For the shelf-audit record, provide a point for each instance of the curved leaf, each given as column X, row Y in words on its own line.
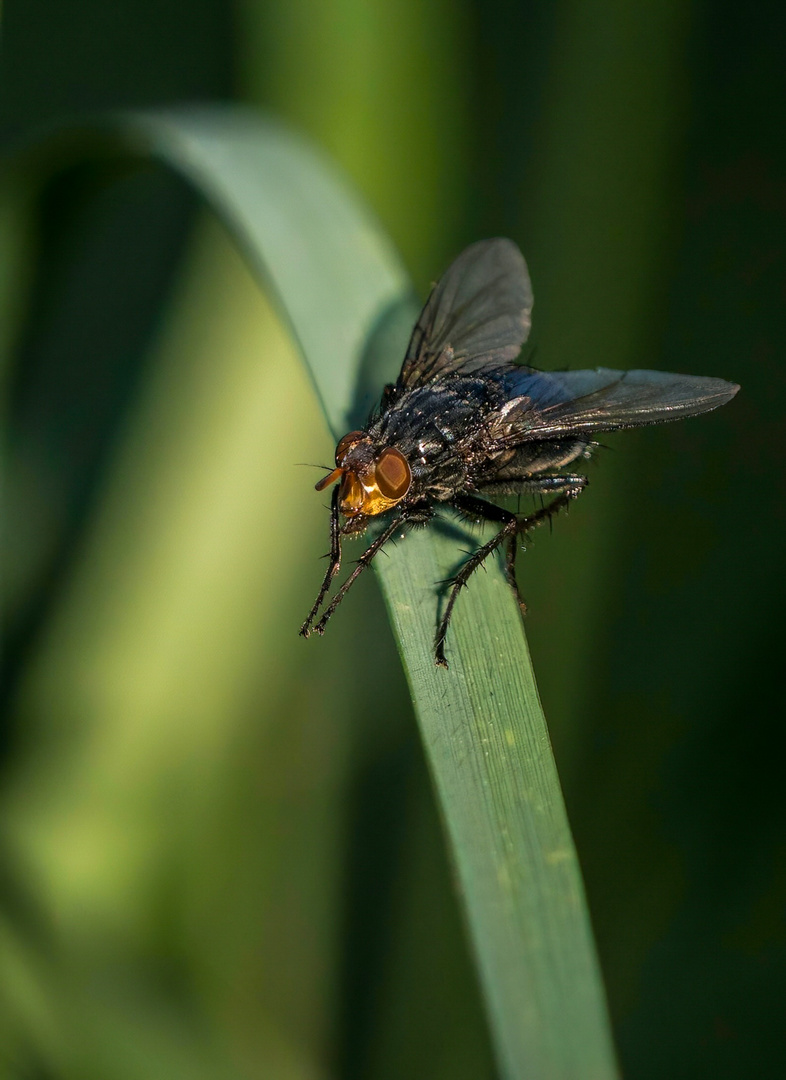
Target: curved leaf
column 346, row 299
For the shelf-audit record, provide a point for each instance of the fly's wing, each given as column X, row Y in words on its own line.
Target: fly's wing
column 553, row 404
column 477, row 316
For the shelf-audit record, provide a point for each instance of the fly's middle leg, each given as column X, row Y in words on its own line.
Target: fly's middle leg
column 481, row 510
column 461, row 579
column 566, row 489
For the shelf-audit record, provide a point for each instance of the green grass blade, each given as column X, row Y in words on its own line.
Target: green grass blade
column 320, row 253
column 348, row 303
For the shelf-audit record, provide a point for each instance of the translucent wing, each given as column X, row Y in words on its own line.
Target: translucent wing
column 552, row 404
column 478, row 315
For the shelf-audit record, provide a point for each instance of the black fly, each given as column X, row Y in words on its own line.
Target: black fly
column 463, row 422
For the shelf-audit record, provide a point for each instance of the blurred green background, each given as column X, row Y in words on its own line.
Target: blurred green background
column 220, row 854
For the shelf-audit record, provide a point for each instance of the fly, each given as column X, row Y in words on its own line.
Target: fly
column 463, row 423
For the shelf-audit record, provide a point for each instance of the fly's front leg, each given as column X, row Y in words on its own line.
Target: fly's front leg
column 334, row 565
column 364, row 561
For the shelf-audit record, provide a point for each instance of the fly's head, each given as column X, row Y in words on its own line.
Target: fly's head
column 373, row 479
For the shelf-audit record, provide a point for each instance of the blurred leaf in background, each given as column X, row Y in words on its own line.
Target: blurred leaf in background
column 218, row 862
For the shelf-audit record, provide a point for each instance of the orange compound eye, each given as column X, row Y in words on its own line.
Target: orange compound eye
column 346, row 443
column 393, row 474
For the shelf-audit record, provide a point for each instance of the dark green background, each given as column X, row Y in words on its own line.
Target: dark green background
column 637, row 154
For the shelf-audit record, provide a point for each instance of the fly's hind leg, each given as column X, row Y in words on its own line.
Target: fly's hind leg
column 567, row 488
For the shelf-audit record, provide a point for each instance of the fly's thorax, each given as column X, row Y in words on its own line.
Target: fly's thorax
column 373, row 477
